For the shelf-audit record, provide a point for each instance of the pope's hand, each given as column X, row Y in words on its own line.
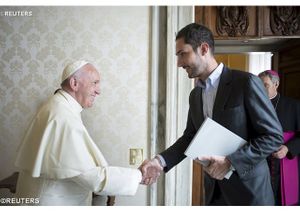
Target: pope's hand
column 151, row 170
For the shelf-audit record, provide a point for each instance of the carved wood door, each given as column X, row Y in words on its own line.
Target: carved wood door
column 246, row 22
column 287, row 62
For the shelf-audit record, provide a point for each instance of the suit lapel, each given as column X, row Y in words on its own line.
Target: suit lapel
column 223, row 91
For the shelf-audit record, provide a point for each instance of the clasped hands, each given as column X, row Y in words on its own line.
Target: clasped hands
column 281, row 152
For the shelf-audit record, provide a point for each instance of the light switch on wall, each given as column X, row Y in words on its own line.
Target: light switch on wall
column 135, row 156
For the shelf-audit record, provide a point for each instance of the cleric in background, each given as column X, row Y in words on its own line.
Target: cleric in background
column 284, row 164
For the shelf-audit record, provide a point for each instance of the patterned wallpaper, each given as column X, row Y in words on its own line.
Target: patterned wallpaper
column 34, row 49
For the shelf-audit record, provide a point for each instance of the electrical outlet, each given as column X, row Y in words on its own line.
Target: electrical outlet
column 135, row 156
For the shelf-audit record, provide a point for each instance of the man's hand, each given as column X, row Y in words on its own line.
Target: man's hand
column 281, row 153
column 217, row 167
column 150, row 170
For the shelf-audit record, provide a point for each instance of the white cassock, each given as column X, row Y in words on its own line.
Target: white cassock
column 59, row 162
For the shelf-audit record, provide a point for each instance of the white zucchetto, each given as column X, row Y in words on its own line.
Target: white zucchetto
column 71, row 68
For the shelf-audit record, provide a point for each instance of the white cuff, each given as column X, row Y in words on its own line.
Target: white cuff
column 162, row 160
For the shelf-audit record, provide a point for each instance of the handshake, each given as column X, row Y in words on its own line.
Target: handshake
column 151, row 170
column 217, row 167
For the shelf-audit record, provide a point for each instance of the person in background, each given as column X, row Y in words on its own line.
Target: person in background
column 284, row 163
column 238, row 101
column 59, row 162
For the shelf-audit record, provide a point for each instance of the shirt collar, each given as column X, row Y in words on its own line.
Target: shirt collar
column 213, row 78
column 274, row 97
column 74, row 104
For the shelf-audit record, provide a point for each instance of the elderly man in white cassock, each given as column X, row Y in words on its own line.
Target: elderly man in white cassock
column 59, row 162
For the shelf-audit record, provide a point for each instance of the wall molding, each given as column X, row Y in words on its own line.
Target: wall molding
column 178, row 181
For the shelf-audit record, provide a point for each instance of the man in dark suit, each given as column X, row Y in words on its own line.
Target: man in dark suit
column 238, row 101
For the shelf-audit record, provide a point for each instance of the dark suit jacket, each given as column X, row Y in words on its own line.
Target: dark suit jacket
column 242, row 106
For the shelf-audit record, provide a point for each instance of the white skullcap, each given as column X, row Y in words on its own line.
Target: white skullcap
column 71, row 68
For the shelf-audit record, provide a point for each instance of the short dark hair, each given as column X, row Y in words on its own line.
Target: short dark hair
column 196, row 34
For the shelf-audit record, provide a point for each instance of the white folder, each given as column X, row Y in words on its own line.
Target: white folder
column 212, row 139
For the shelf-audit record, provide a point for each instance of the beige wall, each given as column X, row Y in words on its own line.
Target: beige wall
column 234, row 61
column 33, row 52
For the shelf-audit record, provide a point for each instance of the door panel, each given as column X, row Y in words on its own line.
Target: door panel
column 198, row 189
column 287, row 63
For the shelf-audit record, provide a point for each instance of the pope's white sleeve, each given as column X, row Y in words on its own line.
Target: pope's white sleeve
column 110, row 180
column 92, row 179
column 121, row 181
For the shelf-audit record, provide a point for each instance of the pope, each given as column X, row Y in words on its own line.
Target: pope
column 59, row 162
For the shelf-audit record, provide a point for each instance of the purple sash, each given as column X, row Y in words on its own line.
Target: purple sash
column 289, row 176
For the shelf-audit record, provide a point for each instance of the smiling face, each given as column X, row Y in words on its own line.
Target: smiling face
column 193, row 62
column 88, row 85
